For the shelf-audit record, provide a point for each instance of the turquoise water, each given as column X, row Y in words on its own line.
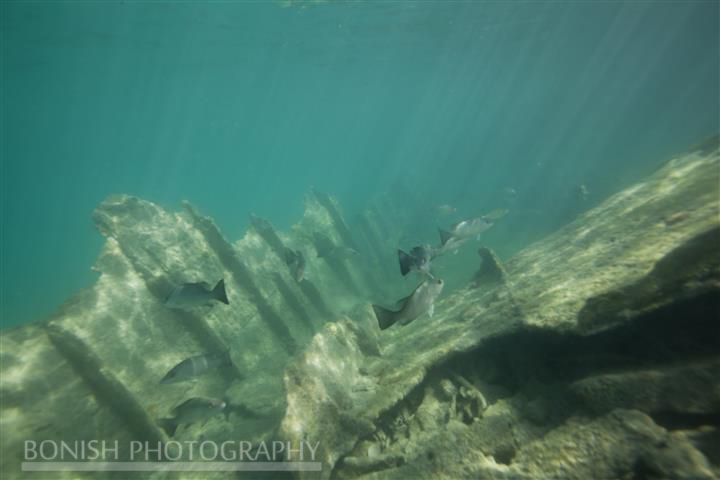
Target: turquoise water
column 241, row 107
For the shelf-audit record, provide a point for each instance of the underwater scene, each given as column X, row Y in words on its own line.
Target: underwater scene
column 328, row 240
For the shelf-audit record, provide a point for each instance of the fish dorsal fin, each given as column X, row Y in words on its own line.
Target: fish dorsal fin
column 403, row 301
column 444, row 236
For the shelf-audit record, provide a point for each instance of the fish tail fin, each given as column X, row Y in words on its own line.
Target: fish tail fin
column 405, row 262
column 169, row 425
column 219, row 292
column 386, row 318
column 444, row 236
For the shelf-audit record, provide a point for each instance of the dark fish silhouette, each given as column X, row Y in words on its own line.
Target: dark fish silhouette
column 195, row 366
column 190, row 295
column 418, row 259
column 191, row 411
column 295, row 261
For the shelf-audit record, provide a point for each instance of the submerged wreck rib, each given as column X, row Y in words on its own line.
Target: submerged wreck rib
column 242, row 276
column 268, row 234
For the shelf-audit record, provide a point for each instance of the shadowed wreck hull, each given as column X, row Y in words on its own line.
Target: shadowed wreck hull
column 593, row 353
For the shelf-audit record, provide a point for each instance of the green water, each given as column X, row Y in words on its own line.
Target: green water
column 240, row 107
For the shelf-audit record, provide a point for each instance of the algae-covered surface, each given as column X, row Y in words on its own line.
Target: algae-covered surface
column 592, row 353
column 616, row 310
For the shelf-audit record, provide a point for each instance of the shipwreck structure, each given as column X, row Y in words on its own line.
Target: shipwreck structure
column 594, row 353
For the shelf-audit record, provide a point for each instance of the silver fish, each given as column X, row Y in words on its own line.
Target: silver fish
column 420, row 301
column 469, row 228
column 582, row 192
column 445, row 209
column 190, row 295
column 450, row 243
column 195, row 366
column 463, row 231
column 191, row 411
column 496, row 214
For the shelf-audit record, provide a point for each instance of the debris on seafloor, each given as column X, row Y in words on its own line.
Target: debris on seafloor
column 491, row 270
